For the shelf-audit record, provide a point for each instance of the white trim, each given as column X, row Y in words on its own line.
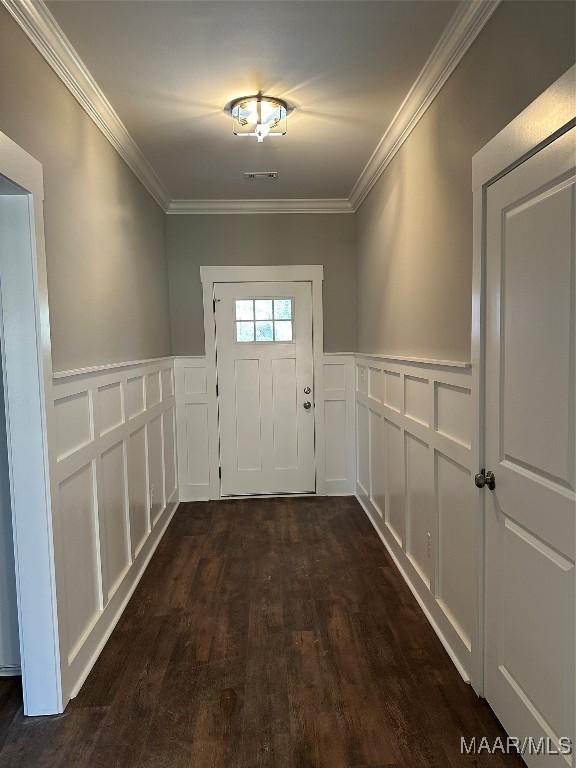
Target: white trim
column 27, row 370
column 463, row 28
column 534, row 126
column 44, row 31
column 10, row 671
column 546, row 115
column 344, row 484
column 329, row 205
column 109, row 367
column 415, row 360
column 195, row 483
column 305, row 273
column 262, row 274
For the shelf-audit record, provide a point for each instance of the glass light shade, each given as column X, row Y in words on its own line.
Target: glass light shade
column 259, row 116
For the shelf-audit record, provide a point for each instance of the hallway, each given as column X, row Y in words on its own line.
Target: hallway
column 271, row 632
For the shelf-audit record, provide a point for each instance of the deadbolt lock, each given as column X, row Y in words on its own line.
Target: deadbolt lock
column 307, row 390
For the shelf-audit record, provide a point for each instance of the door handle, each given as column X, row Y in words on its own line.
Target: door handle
column 307, row 405
column 485, row 478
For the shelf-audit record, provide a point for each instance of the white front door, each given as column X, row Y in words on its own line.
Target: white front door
column 266, row 388
column 530, row 447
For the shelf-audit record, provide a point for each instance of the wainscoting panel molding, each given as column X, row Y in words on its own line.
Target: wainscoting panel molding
column 338, row 450
column 116, row 493
column 197, row 427
column 414, row 479
column 197, row 430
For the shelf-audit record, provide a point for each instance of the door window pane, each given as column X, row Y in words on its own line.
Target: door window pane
column 264, row 320
column 245, row 331
column 264, row 330
column 244, row 309
column 283, row 330
column 283, row 309
column 263, row 309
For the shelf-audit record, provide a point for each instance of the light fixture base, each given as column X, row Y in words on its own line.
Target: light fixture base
column 259, row 116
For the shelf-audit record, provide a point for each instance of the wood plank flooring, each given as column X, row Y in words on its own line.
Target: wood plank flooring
column 265, row 633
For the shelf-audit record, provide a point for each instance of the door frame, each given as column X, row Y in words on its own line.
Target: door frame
column 313, row 274
column 550, row 115
column 27, row 363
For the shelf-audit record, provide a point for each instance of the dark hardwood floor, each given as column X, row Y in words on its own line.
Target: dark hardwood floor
column 271, row 632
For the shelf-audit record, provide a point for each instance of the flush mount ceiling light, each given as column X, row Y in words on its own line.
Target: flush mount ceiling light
column 259, row 116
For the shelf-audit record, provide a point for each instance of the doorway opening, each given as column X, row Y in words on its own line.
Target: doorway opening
column 28, row 538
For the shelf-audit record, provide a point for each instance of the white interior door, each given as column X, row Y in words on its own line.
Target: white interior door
column 266, row 388
column 530, row 447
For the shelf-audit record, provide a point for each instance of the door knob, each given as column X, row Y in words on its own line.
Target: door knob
column 485, row 478
column 307, row 405
column 307, row 390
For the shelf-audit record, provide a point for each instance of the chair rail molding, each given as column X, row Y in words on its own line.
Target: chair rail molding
column 41, row 27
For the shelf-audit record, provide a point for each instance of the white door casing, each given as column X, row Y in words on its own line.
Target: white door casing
column 266, row 417
column 530, row 445
column 27, row 374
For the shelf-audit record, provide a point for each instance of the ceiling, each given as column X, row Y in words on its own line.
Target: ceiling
column 169, row 68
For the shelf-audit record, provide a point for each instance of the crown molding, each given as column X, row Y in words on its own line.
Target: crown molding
column 463, row 28
column 43, row 30
column 328, row 205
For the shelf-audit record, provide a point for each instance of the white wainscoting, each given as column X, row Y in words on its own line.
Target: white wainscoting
column 197, row 427
column 197, row 420
column 116, row 493
column 414, row 479
column 337, row 452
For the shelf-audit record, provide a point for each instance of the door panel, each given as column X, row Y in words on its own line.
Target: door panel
column 247, row 395
column 264, row 361
column 284, row 413
column 530, row 439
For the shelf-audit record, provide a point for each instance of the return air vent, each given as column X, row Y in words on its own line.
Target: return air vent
column 261, row 175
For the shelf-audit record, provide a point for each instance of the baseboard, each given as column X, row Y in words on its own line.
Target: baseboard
column 190, row 493
column 431, row 620
column 125, row 592
column 8, row 671
column 340, row 487
column 328, row 493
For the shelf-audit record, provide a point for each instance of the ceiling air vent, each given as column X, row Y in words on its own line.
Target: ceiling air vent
column 261, row 175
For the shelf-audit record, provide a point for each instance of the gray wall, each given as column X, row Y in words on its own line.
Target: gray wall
column 212, row 240
column 105, row 244
column 411, row 260
column 415, row 227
